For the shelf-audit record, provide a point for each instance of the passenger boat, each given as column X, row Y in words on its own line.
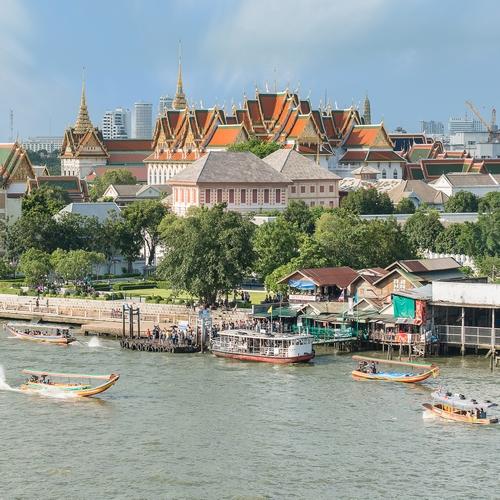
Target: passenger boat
column 368, row 370
column 248, row 345
column 40, row 333
column 66, row 383
column 459, row 409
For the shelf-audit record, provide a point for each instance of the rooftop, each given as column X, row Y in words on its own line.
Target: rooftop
column 102, row 210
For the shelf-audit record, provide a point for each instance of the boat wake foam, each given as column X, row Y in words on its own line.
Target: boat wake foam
column 428, row 415
column 94, row 342
column 4, row 386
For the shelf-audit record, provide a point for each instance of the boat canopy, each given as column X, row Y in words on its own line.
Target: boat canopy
column 459, row 402
column 66, row 375
column 393, row 362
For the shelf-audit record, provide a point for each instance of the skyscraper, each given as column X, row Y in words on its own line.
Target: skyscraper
column 432, row 127
column 142, row 124
column 116, row 124
column 165, row 104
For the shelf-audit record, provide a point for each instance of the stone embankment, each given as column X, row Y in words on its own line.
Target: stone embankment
column 99, row 317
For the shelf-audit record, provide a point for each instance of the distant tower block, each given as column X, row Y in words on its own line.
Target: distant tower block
column 367, row 114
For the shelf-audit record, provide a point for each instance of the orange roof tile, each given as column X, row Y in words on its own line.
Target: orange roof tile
column 225, row 135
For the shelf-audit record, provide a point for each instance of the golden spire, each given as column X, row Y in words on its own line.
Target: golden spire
column 83, row 122
column 180, row 98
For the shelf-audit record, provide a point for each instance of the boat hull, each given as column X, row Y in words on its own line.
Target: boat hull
column 466, row 419
column 265, row 359
column 412, row 379
column 41, row 339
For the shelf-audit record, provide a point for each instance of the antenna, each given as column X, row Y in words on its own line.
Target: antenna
column 11, row 118
column 275, row 81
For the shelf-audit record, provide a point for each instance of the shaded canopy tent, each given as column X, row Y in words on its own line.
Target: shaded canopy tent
column 277, row 312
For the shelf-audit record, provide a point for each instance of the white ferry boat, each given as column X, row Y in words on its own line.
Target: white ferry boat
column 269, row 348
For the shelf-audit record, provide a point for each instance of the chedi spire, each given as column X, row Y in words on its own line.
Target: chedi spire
column 180, row 101
column 83, row 122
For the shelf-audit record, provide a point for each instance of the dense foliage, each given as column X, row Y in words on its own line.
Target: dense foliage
column 116, row 176
column 368, row 201
column 463, row 201
column 257, row 147
column 50, row 160
column 45, row 200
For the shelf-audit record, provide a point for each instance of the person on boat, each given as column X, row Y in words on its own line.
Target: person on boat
column 373, row 367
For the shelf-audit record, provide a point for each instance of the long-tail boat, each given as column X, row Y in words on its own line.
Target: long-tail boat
column 368, row 369
column 57, row 383
column 459, row 409
column 40, row 333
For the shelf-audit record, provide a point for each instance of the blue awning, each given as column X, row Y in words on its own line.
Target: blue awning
column 302, row 284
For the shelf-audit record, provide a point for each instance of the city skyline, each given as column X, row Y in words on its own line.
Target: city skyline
column 336, row 51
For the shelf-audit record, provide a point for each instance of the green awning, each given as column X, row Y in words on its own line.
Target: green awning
column 277, row 312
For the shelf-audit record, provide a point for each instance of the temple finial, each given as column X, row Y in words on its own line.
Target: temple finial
column 179, row 101
column 83, row 122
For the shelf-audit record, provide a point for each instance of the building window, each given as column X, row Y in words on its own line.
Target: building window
column 219, row 195
column 266, row 195
column 207, row 195
column 330, row 204
column 312, row 189
column 231, row 196
column 294, row 189
column 322, row 189
column 312, row 203
column 395, row 174
column 278, row 196
column 243, row 196
column 321, row 202
column 302, row 189
column 330, row 188
column 384, row 174
column 399, row 284
column 254, row 196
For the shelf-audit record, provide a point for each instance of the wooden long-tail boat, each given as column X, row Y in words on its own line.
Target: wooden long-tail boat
column 42, row 381
column 457, row 408
column 40, row 333
column 367, row 370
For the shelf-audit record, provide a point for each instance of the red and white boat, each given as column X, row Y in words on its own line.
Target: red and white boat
column 247, row 345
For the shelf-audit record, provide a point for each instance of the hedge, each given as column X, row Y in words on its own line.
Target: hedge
column 135, row 286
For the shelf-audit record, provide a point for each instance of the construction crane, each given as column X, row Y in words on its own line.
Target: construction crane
column 491, row 127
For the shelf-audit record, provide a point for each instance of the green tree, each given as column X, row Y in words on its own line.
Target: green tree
column 46, row 200
column 489, row 266
column 116, row 176
column 256, row 146
column 208, row 252
column 50, row 160
column 489, row 227
column 36, row 267
column 489, row 202
column 144, row 218
column 405, row 206
column 298, row 214
column 75, row 265
column 275, row 243
column 463, row 201
column 423, row 228
column 368, row 201
column 460, row 239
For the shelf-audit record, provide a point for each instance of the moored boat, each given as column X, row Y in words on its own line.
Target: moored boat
column 40, row 333
column 66, row 383
column 368, row 369
column 247, row 345
column 459, row 409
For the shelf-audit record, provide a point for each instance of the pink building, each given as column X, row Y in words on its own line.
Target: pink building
column 241, row 180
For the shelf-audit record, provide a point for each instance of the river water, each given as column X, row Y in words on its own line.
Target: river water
column 193, row 426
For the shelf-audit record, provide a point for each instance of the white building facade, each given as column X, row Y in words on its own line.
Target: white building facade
column 43, row 143
column 116, row 124
column 142, row 121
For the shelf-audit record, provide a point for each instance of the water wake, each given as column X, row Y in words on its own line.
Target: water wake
column 94, row 342
column 428, row 415
column 4, row 386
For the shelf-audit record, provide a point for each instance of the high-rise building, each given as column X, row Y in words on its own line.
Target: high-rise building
column 464, row 125
column 116, row 124
column 43, row 143
column 166, row 103
column 432, row 127
column 142, row 124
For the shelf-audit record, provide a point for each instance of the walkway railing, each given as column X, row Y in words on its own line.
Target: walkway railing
column 473, row 336
column 326, row 333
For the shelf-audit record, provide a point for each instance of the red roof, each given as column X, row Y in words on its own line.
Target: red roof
column 128, row 145
column 351, row 156
column 225, row 135
column 123, row 158
column 384, row 156
column 363, row 135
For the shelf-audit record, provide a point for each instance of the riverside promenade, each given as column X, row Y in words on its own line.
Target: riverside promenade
column 97, row 317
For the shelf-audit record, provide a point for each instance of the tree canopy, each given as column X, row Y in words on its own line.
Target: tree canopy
column 368, row 201
column 208, row 252
column 489, row 202
column 45, row 200
column 114, row 176
column 36, row 267
column 257, row 147
column 463, row 201
column 144, row 218
column 75, row 265
column 300, row 216
column 423, row 228
column 405, row 206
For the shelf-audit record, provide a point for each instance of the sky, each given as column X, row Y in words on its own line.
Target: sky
column 416, row 59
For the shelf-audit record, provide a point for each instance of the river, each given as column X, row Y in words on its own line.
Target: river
column 192, row 426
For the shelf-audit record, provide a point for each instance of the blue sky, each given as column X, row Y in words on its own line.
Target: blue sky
column 417, row 59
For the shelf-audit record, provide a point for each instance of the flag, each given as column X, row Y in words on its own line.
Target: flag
column 342, row 296
column 270, row 310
